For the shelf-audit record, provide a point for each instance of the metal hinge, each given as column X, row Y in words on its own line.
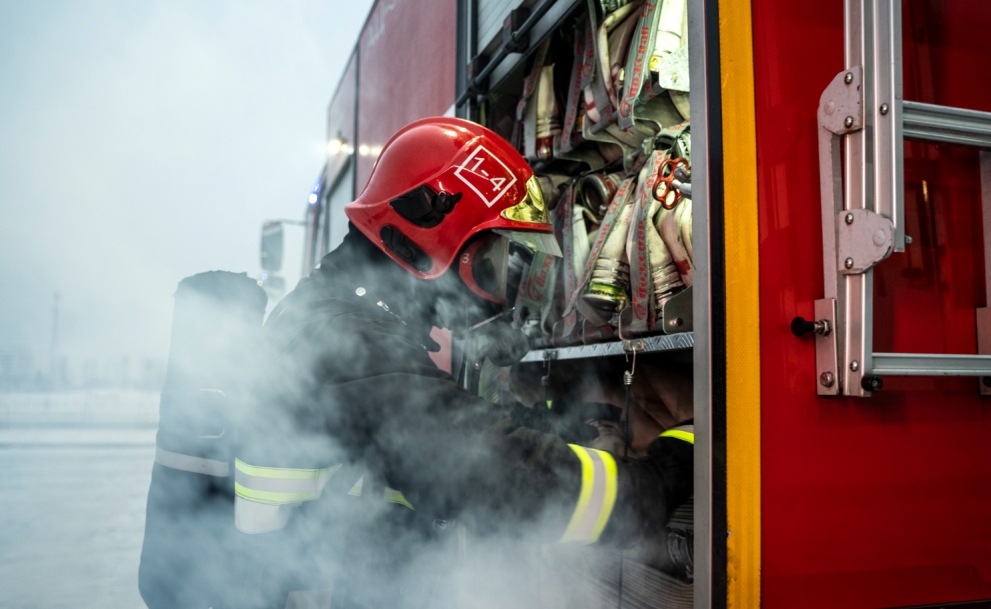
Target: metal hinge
column 863, row 239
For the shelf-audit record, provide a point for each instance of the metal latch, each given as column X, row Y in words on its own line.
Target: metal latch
column 634, row 345
column 863, row 239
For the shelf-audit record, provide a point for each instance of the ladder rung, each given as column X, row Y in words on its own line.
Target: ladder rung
column 945, row 124
column 930, row 364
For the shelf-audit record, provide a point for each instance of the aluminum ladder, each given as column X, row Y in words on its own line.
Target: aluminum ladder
column 862, row 195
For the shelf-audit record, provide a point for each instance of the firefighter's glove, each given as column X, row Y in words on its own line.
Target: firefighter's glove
column 650, row 489
column 524, row 446
column 501, row 344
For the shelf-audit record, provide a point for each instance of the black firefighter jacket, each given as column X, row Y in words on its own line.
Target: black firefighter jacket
column 357, row 452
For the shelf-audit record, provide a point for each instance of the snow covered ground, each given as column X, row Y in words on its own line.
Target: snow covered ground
column 91, row 407
column 74, row 474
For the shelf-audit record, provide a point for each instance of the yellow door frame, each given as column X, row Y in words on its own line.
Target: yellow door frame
column 739, row 149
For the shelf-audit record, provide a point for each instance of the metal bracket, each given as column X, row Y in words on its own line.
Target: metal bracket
column 863, row 239
column 840, row 115
column 828, row 379
column 633, row 345
column 841, row 105
column 677, row 313
column 550, row 354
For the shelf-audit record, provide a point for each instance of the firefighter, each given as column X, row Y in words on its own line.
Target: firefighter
column 358, row 451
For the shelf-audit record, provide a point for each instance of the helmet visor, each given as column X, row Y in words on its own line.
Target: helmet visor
column 532, row 210
column 484, row 267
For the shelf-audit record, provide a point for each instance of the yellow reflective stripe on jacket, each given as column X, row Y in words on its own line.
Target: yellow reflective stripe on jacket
column 683, row 432
column 393, row 496
column 390, row 494
column 687, row 436
column 597, row 496
column 279, row 485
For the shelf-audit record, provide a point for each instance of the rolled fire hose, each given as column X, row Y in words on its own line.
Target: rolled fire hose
column 671, row 36
column 653, row 274
column 609, row 287
column 579, row 239
column 684, row 217
column 542, row 121
column 595, row 191
column 674, row 220
column 669, row 28
column 526, row 112
column 664, row 273
column 619, row 46
column 613, row 45
column 672, row 233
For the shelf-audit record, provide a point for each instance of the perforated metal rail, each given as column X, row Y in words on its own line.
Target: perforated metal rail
column 649, row 344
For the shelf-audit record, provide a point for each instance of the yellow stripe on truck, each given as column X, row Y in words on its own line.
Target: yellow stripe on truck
column 743, row 318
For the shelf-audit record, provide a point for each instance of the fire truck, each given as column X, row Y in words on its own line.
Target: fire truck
column 824, row 279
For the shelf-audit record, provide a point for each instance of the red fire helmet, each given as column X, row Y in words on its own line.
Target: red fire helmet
column 440, row 181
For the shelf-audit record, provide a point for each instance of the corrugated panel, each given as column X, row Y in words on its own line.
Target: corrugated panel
column 491, row 14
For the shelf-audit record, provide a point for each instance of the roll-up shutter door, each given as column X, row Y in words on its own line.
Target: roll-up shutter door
column 491, row 14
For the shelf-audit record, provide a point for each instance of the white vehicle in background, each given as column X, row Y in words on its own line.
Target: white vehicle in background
column 281, row 257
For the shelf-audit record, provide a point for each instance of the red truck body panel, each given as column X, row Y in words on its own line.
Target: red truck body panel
column 340, row 117
column 881, row 501
column 405, row 70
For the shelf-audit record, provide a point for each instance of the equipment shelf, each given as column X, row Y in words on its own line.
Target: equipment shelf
column 649, row 344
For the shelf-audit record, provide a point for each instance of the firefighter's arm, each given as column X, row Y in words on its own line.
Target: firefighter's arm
column 453, row 454
column 602, row 497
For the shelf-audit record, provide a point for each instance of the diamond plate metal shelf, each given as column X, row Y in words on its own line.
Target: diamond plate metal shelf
column 649, row 344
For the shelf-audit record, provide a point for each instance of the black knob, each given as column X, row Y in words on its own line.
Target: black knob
column 871, row 382
column 800, row 326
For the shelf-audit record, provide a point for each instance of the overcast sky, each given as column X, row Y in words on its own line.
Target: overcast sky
column 142, row 142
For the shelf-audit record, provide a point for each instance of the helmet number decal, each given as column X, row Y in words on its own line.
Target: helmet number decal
column 486, row 175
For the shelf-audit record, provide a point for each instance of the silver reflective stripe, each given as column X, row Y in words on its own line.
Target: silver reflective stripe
column 584, row 527
column 196, row 465
column 279, row 485
column 253, row 517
